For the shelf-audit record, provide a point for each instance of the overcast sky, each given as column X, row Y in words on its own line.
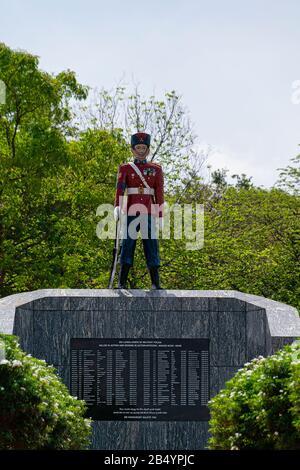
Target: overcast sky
column 234, row 62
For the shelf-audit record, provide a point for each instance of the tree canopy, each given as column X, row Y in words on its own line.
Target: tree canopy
column 59, row 161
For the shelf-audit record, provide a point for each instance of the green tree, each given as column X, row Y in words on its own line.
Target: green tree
column 251, row 244
column 34, row 126
column 218, row 178
column 59, row 163
column 55, row 242
column 167, row 120
column 289, row 177
column 243, row 181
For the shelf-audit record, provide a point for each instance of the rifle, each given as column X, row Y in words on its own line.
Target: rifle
column 115, row 255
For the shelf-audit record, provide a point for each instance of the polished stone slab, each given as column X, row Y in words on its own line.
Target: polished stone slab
column 239, row 327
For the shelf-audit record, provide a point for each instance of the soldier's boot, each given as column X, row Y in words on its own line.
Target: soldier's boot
column 123, row 275
column 154, row 274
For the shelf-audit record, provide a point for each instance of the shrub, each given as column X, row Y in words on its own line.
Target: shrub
column 36, row 409
column 259, row 408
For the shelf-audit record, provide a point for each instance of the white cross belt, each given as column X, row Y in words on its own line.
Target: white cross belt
column 140, row 190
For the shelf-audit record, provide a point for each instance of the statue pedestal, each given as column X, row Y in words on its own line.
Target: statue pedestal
column 147, row 362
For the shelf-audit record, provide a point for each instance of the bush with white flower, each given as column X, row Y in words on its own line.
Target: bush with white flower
column 259, row 408
column 36, row 409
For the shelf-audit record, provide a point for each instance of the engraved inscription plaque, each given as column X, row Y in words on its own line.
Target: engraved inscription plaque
column 142, row 379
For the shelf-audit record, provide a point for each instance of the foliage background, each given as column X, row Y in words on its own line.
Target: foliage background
column 59, row 156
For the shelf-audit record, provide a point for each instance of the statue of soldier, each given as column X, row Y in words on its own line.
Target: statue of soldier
column 144, row 182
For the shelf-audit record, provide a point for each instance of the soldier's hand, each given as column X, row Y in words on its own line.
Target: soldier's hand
column 117, row 213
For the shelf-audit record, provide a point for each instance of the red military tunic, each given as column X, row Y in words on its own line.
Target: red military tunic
column 128, row 178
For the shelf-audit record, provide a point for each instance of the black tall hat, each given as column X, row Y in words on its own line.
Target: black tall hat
column 140, row 138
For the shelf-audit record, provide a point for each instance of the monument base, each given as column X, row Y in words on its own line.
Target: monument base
column 147, row 362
